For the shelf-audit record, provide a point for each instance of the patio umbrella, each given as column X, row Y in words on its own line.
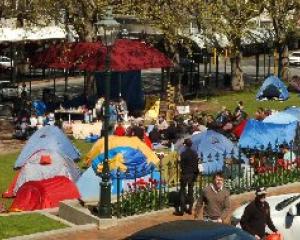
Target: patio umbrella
column 64, row 57
column 125, row 55
column 128, row 55
column 45, row 58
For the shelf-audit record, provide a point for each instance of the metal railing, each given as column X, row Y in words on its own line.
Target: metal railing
column 267, row 168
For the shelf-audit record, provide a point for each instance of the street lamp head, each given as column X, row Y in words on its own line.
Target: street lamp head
column 109, row 27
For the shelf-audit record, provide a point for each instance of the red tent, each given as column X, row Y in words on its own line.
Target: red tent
column 9, row 193
column 238, row 130
column 34, row 195
column 148, row 141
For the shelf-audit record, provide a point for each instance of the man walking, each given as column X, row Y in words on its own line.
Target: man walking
column 214, row 203
column 189, row 172
column 257, row 215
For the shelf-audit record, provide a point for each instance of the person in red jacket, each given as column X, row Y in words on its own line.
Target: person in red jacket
column 120, row 130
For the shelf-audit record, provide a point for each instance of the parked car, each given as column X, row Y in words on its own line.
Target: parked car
column 294, row 58
column 5, row 62
column 8, row 90
column 6, row 112
column 191, row 230
column 285, row 213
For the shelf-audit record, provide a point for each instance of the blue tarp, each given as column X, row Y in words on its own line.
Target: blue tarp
column 280, row 118
column 216, row 145
column 257, row 134
column 39, row 107
column 295, row 111
column 130, row 85
column 48, row 138
column 273, row 87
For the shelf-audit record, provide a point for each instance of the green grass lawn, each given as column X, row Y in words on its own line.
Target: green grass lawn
column 6, row 174
column 18, row 225
column 230, row 99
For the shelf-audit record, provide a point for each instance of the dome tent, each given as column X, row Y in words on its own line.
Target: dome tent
column 34, row 195
column 133, row 158
column 51, row 138
column 213, row 148
column 280, row 118
column 257, row 134
column 89, row 184
column 272, row 88
column 295, row 111
column 35, row 170
column 50, row 142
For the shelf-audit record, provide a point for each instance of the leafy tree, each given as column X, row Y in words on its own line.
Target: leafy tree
column 229, row 18
column 285, row 16
column 232, row 18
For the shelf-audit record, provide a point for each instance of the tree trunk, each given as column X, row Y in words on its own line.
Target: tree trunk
column 88, row 35
column 237, row 82
column 284, row 63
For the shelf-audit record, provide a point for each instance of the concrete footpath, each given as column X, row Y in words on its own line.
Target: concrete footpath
column 131, row 225
column 122, row 230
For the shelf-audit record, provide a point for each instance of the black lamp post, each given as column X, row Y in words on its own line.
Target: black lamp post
column 110, row 32
column 270, row 45
column 208, row 62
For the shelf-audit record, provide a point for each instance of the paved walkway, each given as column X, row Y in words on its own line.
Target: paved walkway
column 122, row 230
column 133, row 225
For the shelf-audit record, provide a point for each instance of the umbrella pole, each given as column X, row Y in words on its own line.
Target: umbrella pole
column 30, row 76
column 119, row 84
column 54, row 81
column 84, row 83
column 66, row 80
column 162, row 81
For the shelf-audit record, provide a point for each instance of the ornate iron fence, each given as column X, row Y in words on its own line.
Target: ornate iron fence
column 268, row 167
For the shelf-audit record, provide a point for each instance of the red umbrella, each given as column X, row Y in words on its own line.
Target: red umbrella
column 64, row 57
column 45, row 58
column 125, row 55
column 129, row 55
column 91, row 57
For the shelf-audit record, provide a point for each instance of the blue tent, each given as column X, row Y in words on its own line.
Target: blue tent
column 212, row 147
column 295, row 111
column 89, row 184
column 273, row 87
column 281, row 118
column 257, row 134
column 48, row 138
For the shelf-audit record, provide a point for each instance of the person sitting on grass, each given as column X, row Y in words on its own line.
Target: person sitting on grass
column 120, row 129
column 260, row 114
